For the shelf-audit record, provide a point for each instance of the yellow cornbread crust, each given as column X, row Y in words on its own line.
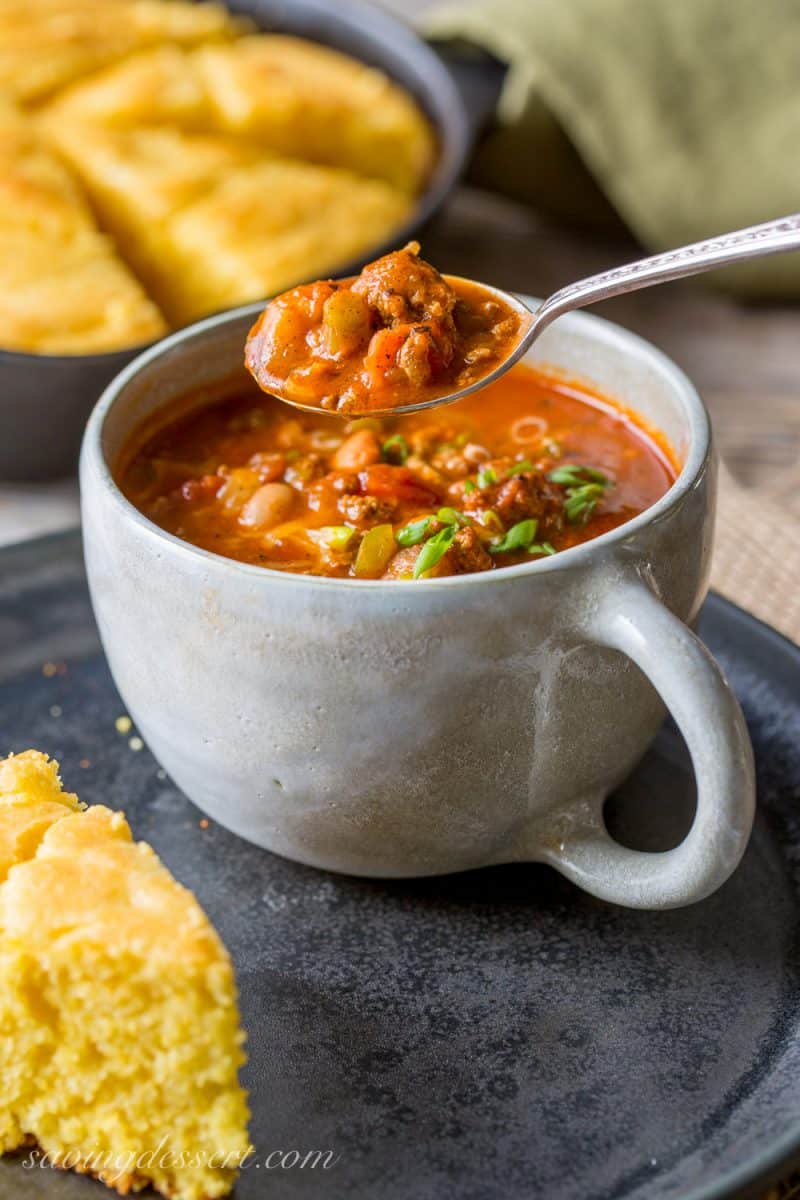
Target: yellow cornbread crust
column 118, row 1007
column 179, row 163
column 62, row 285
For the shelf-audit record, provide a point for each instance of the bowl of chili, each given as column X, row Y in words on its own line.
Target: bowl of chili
column 410, row 721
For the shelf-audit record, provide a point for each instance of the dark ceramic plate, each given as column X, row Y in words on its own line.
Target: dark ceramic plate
column 491, row 1036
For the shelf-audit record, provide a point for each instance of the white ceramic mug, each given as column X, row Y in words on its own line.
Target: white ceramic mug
column 391, row 728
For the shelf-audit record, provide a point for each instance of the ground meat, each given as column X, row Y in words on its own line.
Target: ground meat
column 401, row 566
column 515, row 499
column 404, row 289
column 466, row 554
column 418, row 354
column 367, row 510
column 305, row 469
column 428, row 474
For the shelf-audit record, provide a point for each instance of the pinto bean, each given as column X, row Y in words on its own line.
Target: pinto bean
column 268, row 506
column 361, row 449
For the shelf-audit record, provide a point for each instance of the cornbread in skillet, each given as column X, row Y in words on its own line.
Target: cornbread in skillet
column 217, row 165
column 46, row 44
column 139, row 180
column 262, row 226
column 63, row 289
column 284, row 94
column 308, row 101
column 209, row 222
column 117, row 1001
column 156, row 87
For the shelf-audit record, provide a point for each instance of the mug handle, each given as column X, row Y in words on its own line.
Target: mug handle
column 630, row 618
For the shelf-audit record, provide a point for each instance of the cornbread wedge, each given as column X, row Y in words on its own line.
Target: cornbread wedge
column 70, row 297
column 63, row 289
column 46, row 44
column 210, row 166
column 208, row 222
column 31, row 800
column 162, row 86
column 138, row 180
column 303, row 100
column 288, row 96
column 120, row 1031
column 37, row 193
column 266, row 227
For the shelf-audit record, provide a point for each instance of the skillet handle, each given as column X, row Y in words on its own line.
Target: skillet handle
column 629, row 618
column 479, row 77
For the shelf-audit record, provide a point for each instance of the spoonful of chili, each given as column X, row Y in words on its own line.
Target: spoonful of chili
column 401, row 337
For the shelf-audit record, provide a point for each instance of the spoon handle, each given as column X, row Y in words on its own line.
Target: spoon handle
column 769, row 238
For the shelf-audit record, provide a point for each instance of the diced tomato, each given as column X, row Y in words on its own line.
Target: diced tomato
column 381, row 356
column 399, row 482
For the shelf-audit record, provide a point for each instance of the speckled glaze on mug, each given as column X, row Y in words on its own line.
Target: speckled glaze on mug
column 389, row 728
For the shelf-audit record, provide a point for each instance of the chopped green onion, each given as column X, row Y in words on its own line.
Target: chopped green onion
column 451, row 516
column 582, row 501
column 434, row 549
column 525, row 465
column 395, row 449
column 573, row 475
column 541, row 548
column 486, row 477
column 519, row 537
column 585, row 487
column 411, row 535
column 470, row 486
column 337, row 537
column 553, row 449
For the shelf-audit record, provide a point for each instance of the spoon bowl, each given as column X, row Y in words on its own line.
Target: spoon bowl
column 771, row 237
column 512, row 301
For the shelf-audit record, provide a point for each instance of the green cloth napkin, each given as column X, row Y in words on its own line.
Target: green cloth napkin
column 680, row 116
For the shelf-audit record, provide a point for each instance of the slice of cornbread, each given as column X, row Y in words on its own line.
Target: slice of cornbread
column 63, row 289
column 294, row 98
column 46, row 44
column 303, row 100
column 31, row 800
column 70, row 297
column 120, row 1031
column 37, row 193
column 208, row 222
column 138, row 180
column 263, row 228
column 161, row 86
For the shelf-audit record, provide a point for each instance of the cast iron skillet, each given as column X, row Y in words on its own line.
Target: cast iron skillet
column 45, row 399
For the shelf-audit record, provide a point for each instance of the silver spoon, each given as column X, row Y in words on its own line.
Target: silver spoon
column 772, row 237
